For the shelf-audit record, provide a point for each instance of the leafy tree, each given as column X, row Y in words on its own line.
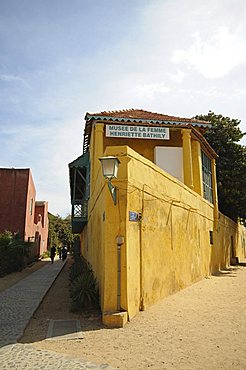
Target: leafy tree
column 224, row 136
column 60, row 231
column 53, row 237
column 14, row 253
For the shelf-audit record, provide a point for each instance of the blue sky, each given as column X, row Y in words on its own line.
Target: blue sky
column 62, row 58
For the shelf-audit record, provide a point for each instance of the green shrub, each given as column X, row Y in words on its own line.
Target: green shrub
column 46, row 254
column 79, row 265
column 14, row 253
column 75, row 247
column 83, row 286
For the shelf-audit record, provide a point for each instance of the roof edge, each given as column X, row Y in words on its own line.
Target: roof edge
column 192, row 122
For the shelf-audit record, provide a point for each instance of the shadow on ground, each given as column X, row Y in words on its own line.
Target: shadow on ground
column 56, row 306
column 230, row 271
column 88, row 322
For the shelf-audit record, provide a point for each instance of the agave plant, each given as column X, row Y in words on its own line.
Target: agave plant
column 84, row 287
column 84, row 291
column 77, row 268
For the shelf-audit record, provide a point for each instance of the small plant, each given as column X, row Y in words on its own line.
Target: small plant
column 79, row 265
column 83, row 286
column 45, row 255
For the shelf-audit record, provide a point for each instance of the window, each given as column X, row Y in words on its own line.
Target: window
column 207, row 178
column 31, row 206
column 211, row 237
column 170, row 159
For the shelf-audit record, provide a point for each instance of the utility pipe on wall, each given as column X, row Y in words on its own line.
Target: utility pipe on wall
column 119, row 241
column 141, row 303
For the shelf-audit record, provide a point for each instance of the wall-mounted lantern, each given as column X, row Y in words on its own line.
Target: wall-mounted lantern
column 110, row 167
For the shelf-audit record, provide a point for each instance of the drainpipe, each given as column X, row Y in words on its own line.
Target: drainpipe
column 141, row 304
column 119, row 240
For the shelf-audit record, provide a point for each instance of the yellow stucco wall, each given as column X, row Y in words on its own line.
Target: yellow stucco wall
column 169, row 249
column 240, row 246
column 221, row 249
column 139, row 145
column 231, row 243
column 165, row 251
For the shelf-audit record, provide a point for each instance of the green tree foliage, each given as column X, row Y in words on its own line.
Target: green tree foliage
column 60, row 231
column 223, row 137
column 14, row 253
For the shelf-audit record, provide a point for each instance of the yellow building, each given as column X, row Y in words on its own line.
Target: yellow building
column 156, row 228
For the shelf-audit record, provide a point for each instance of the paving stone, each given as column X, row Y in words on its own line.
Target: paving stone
column 17, row 306
column 26, row 356
column 20, row 301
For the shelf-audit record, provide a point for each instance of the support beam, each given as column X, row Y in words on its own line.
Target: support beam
column 80, row 174
column 215, row 194
column 74, row 185
column 197, row 166
column 80, row 191
column 187, row 158
column 98, row 149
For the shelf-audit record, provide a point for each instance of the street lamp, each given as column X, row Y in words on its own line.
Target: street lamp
column 110, row 167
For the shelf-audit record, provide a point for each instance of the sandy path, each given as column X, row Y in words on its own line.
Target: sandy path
column 13, row 278
column 201, row 327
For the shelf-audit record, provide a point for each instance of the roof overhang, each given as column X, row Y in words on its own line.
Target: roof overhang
column 203, row 141
column 79, row 163
column 89, row 117
column 195, row 125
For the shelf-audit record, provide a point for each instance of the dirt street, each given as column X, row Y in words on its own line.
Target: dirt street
column 201, row 327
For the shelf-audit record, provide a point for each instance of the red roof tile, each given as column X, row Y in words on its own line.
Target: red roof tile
column 140, row 114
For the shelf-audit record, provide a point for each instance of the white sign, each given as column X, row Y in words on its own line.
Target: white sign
column 137, row 132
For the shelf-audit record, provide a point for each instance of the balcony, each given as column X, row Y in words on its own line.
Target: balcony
column 79, row 215
column 79, row 173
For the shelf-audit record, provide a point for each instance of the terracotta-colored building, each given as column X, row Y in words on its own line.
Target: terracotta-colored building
column 19, row 211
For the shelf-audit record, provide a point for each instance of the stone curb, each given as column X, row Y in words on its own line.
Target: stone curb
column 19, row 302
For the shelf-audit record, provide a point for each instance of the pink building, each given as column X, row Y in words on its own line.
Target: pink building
column 19, row 211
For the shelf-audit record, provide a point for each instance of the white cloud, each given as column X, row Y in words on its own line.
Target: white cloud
column 214, row 57
column 211, row 92
column 12, row 78
column 149, row 91
column 50, row 150
column 177, row 77
column 152, row 65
